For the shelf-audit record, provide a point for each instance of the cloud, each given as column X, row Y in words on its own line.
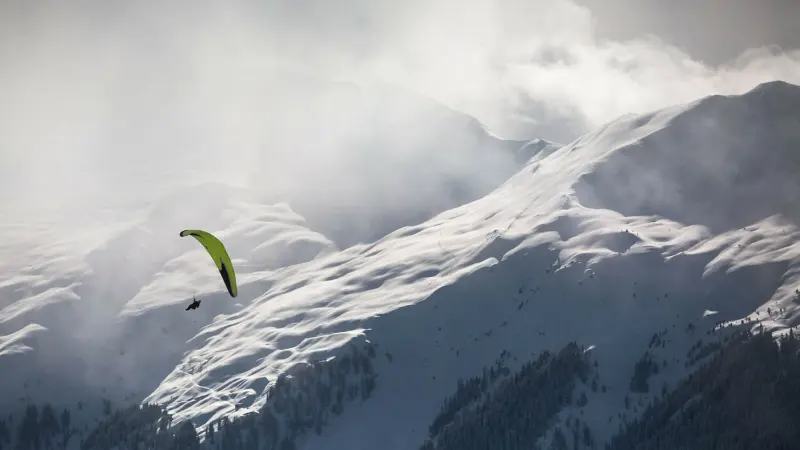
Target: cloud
column 606, row 80
column 539, row 69
column 124, row 99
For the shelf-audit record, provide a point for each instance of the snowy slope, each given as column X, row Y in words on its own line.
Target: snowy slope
column 97, row 311
column 643, row 226
column 91, row 299
column 14, row 343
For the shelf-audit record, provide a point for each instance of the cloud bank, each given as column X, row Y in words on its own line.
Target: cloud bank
column 116, row 101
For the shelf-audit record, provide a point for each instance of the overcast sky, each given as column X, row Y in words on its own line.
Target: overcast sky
column 91, row 90
column 712, row 31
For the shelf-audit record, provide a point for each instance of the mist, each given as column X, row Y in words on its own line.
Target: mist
column 335, row 108
column 294, row 128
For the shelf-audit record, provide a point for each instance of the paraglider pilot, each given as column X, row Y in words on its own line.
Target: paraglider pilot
column 194, row 305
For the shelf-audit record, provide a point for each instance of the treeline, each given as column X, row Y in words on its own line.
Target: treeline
column 136, row 427
column 504, row 411
column 300, row 402
column 145, row 427
column 746, row 397
column 39, row 428
column 468, row 392
column 645, row 367
column 297, row 403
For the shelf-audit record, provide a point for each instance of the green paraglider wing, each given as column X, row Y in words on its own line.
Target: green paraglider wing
column 220, row 256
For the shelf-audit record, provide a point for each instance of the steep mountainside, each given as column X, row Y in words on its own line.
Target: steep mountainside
column 92, row 304
column 746, row 397
column 100, row 313
column 635, row 241
column 638, row 247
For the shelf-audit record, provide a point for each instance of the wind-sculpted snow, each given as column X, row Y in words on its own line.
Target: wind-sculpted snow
column 98, row 310
column 260, row 238
column 15, row 342
column 580, row 245
column 677, row 224
column 110, row 286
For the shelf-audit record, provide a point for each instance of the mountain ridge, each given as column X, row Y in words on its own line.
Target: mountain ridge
column 535, row 219
column 588, row 243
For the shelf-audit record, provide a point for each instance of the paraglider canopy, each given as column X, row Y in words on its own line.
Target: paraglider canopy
column 216, row 249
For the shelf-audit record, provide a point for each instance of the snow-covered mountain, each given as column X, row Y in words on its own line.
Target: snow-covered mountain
column 667, row 224
column 88, row 315
column 640, row 238
column 91, row 305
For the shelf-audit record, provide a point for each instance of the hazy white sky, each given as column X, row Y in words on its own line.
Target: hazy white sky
column 120, row 97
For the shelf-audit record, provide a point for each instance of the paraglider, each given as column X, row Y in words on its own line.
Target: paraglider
column 194, row 305
column 219, row 255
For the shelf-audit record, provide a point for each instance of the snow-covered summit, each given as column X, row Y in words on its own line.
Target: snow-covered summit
column 723, row 162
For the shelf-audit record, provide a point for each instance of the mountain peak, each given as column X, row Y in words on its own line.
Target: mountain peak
column 723, row 162
column 775, row 86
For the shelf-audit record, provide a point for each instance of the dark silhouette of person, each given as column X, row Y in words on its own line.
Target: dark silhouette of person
column 194, row 305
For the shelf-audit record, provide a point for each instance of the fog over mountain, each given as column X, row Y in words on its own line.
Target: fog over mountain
column 437, row 215
column 106, row 103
